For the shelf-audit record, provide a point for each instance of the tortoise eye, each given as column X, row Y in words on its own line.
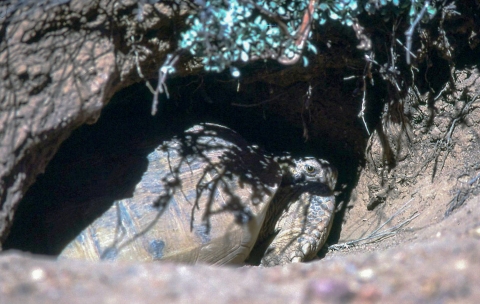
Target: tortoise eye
column 310, row 169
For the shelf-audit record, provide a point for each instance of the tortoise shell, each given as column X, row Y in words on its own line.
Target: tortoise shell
column 203, row 198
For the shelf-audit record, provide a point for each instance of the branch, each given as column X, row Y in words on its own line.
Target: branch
column 301, row 35
column 377, row 235
column 163, row 71
column 409, row 32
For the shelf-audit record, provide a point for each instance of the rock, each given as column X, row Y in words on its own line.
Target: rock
column 445, row 269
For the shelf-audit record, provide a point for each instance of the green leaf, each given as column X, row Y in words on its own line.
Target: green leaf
column 323, row 7
column 246, row 45
column 244, row 57
column 333, row 15
column 305, row 61
column 431, row 10
column 311, row 47
column 235, row 72
column 412, row 11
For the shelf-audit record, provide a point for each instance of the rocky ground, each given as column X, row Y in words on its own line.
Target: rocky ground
column 408, row 226
column 441, row 266
column 419, row 244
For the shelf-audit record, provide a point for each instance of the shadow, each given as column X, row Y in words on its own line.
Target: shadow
column 208, row 173
column 195, row 169
column 48, row 84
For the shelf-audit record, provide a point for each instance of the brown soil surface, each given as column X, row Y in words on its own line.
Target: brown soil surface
column 408, row 226
column 438, row 169
column 441, row 266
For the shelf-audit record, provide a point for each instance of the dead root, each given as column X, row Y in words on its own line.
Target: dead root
column 379, row 234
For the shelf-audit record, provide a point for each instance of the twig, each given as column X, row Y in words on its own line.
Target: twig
column 447, row 140
column 163, row 71
column 257, row 104
column 139, row 71
column 301, row 35
column 409, row 32
column 306, row 111
column 395, row 214
column 473, row 180
column 406, row 49
column 366, row 72
column 377, row 235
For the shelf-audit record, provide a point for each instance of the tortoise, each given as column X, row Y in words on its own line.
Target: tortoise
column 208, row 196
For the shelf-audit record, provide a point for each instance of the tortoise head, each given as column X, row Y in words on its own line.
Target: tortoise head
column 309, row 169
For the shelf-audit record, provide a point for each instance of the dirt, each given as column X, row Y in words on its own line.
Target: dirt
column 427, row 225
column 408, row 225
column 441, row 266
column 439, row 169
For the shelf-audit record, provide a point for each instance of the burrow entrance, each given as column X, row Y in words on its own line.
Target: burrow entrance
column 101, row 163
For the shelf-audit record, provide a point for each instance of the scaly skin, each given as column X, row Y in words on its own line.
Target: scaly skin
column 301, row 214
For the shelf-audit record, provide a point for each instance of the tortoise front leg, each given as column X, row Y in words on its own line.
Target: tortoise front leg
column 302, row 230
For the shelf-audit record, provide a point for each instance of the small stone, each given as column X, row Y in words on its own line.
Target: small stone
column 366, row 274
column 475, row 232
column 329, row 290
column 22, row 69
column 461, row 264
column 37, row 274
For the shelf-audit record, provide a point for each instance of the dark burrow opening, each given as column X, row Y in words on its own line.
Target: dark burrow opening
column 101, row 163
